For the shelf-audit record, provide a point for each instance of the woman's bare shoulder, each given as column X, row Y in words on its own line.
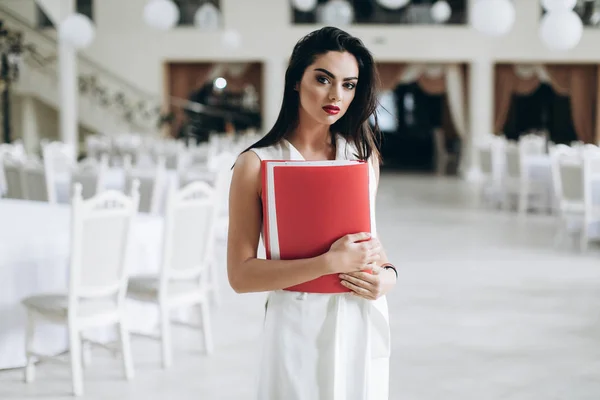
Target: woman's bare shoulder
column 246, row 171
column 248, row 160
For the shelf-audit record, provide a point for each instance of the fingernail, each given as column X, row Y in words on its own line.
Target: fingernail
column 342, row 276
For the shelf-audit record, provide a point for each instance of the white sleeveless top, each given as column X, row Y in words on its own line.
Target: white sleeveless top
column 323, row 346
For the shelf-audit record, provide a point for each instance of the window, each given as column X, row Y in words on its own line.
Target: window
column 370, row 12
column 387, row 113
column 188, row 8
column 85, row 7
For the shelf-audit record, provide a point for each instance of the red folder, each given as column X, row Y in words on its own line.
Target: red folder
column 308, row 205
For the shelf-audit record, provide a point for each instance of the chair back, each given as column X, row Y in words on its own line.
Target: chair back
column 100, row 233
column 188, row 234
column 152, row 184
column 13, row 173
column 36, row 184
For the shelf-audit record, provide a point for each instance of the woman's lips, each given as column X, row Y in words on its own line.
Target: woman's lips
column 331, row 110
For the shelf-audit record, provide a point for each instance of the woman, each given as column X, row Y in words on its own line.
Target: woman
column 317, row 346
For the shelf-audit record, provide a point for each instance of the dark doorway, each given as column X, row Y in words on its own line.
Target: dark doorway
column 543, row 110
column 411, row 146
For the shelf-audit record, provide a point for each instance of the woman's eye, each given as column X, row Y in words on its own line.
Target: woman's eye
column 350, row 86
column 322, row 79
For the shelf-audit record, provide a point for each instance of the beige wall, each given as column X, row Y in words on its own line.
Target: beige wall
column 130, row 49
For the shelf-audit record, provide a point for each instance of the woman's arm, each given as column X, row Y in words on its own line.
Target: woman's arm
column 247, row 273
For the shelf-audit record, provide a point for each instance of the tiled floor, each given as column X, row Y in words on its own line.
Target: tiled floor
column 487, row 308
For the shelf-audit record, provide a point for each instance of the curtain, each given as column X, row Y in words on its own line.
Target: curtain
column 508, row 83
column 389, row 75
column 580, row 83
column 455, row 96
column 435, row 85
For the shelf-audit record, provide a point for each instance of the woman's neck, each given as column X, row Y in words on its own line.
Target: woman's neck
column 313, row 140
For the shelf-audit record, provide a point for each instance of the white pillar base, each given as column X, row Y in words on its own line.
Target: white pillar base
column 473, row 174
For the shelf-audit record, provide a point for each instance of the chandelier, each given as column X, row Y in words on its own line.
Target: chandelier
column 11, row 50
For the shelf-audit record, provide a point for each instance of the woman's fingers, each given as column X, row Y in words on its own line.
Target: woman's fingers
column 370, row 278
column 359, row 290
column 364, row 280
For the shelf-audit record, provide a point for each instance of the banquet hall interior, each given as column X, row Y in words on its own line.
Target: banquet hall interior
column 120, row 124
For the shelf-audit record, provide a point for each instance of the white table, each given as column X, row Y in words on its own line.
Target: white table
column 34, row 252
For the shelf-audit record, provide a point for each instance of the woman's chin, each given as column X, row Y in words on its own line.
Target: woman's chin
column 330, row 119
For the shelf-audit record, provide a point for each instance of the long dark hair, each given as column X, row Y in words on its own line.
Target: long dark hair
column 354, row 125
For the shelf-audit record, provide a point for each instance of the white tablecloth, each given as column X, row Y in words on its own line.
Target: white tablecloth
column 34, row 252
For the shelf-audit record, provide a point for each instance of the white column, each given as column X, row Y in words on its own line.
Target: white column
column 481, row 115
column 68, row 87
column 273, row 85
column 29, row 124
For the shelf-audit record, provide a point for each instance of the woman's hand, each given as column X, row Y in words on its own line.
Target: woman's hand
column 353, row 253
column 370, row 286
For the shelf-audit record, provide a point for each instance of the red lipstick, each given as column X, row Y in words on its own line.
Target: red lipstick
column 331, row 110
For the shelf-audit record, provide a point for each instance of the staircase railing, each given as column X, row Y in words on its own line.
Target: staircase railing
column 138, row 107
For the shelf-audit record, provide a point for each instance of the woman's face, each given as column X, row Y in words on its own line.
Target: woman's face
column 328, row 87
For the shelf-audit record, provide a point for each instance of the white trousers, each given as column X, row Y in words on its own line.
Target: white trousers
column 324, row 347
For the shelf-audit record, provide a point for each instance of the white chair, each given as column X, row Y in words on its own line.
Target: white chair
column 14, row 152
column 518, row 178
column 173, row 151
column 569, row 187
column 59, row 157
column 124, row 144
column 153, row 184
column 491, row 151
column 90, row 174
column 189, row 227
column 38, row 185
column 591, row 178
column 536, row 178
column 575, row 173
column 13, row 173
column 97, row 145
column 100, row 231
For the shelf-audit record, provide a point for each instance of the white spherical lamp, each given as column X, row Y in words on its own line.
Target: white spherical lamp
column 393, row 4
column 561, row 30
column 557, row 5
column 304, row 5
column 161, row 14
column 207, row 17
column 493, row 17
column 337, row 13
column 441, row 11
column 77, row 30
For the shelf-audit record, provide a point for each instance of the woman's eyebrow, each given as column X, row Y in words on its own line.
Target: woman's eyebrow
column 332, row 76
